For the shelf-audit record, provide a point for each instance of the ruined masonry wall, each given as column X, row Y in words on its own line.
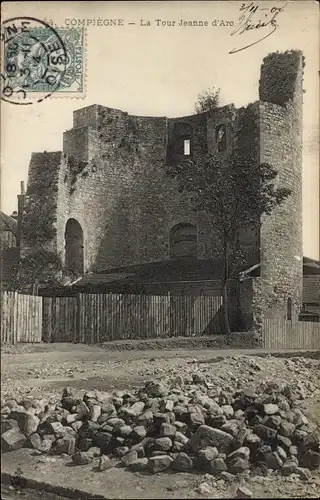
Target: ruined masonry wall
column 122, row 198
column 112, row 179
column 121, row 187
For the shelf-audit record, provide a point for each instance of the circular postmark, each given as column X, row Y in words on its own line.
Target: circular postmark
column 34, row 60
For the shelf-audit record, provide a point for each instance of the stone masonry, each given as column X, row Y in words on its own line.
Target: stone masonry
column 111, row 180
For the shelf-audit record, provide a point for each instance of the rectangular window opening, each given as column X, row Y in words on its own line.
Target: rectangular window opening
column 186, row 147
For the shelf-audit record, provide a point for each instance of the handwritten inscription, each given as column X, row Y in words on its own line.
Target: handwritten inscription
column 256, row 19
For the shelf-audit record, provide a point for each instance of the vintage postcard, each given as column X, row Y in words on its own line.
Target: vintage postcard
column 159, row 249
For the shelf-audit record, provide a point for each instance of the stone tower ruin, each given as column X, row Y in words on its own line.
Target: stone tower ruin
column 108, row 202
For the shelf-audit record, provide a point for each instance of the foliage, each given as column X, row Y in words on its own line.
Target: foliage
column 41, row 184
column 38, row 222
column 38, row 266
column 234, row 192
column 207, row 100
column 278, row 76
column 76, row 167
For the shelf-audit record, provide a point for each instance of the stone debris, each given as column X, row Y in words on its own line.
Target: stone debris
column 138, row 465
column 159, row 463
column 243, row 492
column 104, row 463
column 183, row 423
column 205, row 489
column 227, row 477
column 12, row 439
column 81, row 458
column 182, row 462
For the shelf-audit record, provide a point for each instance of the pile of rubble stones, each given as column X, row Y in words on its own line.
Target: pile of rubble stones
column 184, row 424
column 298, row 374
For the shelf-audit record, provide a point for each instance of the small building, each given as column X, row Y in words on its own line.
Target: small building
column 310, row 310
column 186, row 277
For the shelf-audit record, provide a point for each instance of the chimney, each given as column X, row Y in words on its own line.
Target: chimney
column 21, row 204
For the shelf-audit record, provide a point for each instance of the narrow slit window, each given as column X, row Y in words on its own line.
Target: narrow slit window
column 186, row 147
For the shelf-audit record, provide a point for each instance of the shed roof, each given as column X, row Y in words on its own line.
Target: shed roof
column 8, row 223
column 310, row 267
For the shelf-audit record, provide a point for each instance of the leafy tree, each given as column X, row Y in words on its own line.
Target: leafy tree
column 38, row 266
column 207, row 100
column 234, row 193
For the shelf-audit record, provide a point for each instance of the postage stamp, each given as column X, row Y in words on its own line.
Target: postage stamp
column 40, row 61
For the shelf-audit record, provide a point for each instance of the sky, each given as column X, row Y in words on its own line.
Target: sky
column 159, row 71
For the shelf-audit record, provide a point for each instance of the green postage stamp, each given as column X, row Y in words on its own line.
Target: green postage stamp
column 40, row 61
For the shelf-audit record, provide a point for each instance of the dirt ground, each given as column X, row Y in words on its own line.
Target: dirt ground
column 27, row 494
column 44, row 370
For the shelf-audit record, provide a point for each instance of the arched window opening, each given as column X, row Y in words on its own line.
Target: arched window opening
column 183, row 241
column 221, row 138
column 289, row 309
column 74, row 247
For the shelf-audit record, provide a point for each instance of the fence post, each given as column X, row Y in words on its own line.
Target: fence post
column 76, row 332
column 15, row 316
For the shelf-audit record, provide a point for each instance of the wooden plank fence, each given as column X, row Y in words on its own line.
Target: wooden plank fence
column 21, row 318
column 59, row 319
column 279, row 333
column 94, row 318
